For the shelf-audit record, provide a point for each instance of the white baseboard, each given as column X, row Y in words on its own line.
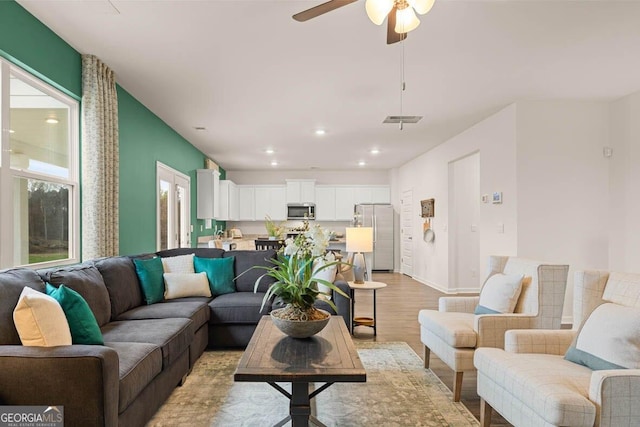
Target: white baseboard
column 567, row 320
column 446, row 290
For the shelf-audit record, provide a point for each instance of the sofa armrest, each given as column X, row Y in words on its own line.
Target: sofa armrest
column 615, row 393
column 492, row 327
column 458, row 304
column 538, row 341
column 82, row 378
column 342, row 303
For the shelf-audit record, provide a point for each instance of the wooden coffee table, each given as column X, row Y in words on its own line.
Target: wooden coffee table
column 327, row 357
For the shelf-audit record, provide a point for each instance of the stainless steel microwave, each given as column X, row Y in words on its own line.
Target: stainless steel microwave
column 301, row 211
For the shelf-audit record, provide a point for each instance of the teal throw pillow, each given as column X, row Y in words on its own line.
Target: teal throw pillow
column 150, row 273
column 219, row 272
column 82, row 323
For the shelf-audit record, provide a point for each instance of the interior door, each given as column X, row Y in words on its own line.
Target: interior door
column 406, row 233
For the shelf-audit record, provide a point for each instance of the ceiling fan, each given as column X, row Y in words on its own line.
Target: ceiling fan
column 400, row 14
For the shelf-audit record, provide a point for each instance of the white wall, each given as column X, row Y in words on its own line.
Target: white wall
column 563, row 185
column 546, row 159
column 624, row 178
column 338, row 177
column 427, row 175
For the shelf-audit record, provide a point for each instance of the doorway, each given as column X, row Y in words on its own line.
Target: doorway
column 406, row 233
column 173, row 208
column 464, row 217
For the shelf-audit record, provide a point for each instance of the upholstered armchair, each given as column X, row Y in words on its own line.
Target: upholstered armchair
column 530, row 383
column 454, row 332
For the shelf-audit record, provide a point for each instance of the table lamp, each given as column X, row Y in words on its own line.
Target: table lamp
column 359, row 240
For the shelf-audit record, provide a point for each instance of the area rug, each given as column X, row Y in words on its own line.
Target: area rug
column 398, row 392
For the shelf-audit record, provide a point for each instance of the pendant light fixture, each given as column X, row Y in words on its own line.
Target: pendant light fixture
column 406, row 18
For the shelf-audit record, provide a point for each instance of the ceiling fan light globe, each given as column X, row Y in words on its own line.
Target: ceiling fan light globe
column 406, row 20
column 421, row 6
column 377, row 10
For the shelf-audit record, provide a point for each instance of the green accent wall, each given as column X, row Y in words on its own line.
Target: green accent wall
column 144, row 138
column 25, row 41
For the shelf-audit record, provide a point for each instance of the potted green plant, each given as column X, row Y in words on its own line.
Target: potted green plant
column 274, row 231
column 298, row 284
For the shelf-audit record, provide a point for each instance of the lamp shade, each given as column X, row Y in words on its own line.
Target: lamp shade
column 406, row 20
column 377, row 10
column 421, row 6
column 359, row 239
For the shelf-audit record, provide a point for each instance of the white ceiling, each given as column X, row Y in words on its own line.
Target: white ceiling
column 257, row 79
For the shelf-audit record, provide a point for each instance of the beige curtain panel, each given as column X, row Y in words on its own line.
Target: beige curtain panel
column 99, row 160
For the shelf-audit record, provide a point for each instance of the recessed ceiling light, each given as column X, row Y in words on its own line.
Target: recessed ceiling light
column 200, row 128
column 320, row 131
column 362, row 163
column 52, row 120
column 374, row 151
column 12, row 131
column 269, row 151
column 274, row 163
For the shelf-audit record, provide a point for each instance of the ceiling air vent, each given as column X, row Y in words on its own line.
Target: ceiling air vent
column 402, row 119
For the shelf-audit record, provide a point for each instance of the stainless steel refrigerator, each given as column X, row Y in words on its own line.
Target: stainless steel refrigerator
column 380, row 217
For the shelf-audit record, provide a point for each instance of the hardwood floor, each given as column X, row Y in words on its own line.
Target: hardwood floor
column 397, row 316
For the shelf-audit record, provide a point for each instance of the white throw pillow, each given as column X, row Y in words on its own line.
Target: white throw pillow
column 608, row 339
column 500, row 294
column 178, row 264
column 179, row 285
column 40, row 320
column 328, row 274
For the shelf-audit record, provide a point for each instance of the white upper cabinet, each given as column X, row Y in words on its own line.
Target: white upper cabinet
column 229, row 203
column 301, row 190
column 270, row 200
column 246, row 203
column 325, row 203
column 208, row 187
column 380, row 194
column 345, row 201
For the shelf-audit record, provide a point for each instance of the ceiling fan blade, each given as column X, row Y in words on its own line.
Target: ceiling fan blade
column 321, row 9
column 392, row 36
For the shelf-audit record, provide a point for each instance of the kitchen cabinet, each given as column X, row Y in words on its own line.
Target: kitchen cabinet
column 228, row 202
column 207, row 193
column 345, row 201
column 270, row 200
column 372, row 194
column 301, row 190
column 246, row 203
column 325, row 199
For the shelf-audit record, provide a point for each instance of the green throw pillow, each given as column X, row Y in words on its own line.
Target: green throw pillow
column 150, row 273
column 219, row 272
column 82, row 323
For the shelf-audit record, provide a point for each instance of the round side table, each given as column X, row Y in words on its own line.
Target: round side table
column 365, row 321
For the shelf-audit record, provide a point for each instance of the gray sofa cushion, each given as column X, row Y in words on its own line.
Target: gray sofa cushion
column 198, row 312
column 238, row 307
column 247, row 259
column 199, row 252
column 87, row 281
column 173, row 336
column 121, row 280
column 12, row 282
column 139, row 364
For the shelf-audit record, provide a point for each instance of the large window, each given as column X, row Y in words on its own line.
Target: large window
column 38, row 171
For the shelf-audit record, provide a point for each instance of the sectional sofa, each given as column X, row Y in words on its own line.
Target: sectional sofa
column 148, row 349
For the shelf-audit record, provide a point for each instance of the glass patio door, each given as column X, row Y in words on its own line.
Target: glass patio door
column 173, row 206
